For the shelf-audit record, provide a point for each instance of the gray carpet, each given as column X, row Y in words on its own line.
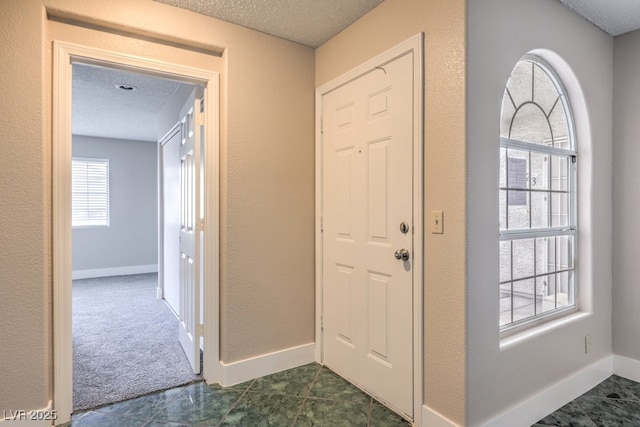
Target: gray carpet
column 125, row 341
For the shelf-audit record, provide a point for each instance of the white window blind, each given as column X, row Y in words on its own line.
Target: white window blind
column 90, row 192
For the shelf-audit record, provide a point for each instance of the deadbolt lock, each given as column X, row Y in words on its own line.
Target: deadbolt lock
column 404, row 227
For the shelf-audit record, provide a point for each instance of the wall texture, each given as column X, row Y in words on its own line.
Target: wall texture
column 266, row 176
column 504, row 373
column 132, row 236
column 25, row 255
column 626, row 152
column 442, row 22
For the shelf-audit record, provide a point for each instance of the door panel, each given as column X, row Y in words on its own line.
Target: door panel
column 190, row 236
column 367, row 143
column 379, row 288
column 378, row 183
column 171, row 220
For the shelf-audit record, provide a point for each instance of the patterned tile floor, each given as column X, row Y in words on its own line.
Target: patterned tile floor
column 613, row 402
column 310, row 395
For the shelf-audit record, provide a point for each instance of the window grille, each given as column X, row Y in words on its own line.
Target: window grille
column 537, row 197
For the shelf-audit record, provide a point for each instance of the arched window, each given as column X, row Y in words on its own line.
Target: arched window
column 538, row 230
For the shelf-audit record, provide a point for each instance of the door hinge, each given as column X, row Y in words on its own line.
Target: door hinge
column 321, row 125
column 201, row 224
column 321, row 224
column 200, row 330
column 321, row 323
column 199, row 113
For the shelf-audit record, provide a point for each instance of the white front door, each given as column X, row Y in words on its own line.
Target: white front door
column 367, row 216
column 190, row 235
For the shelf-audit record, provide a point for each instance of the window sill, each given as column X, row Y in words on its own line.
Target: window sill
column 514, row 338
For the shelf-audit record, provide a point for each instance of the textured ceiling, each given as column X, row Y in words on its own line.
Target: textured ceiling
column 102, row 109
column 308, row 22
column 615, row 17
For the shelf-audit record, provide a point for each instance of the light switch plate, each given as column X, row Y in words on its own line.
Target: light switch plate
column 437, row 226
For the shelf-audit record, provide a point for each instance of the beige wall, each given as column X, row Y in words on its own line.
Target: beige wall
column 267, row 273
column 443, row 23
column 25, row 255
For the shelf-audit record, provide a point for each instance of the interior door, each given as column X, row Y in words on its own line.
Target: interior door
column 170, row 164
column 190, row 234
column 367, row 199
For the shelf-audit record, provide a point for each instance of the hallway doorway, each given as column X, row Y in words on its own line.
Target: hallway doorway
column 65, row 55
column 117, row 194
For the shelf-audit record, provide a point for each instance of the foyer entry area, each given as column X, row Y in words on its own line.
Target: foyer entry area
column 310, row 395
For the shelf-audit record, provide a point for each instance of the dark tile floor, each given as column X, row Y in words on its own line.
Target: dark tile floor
column 613, row 402
column 310, row 395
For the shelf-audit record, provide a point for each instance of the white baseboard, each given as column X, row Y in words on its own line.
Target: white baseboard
column 556, row 396
column 266, row 364
column 431, row 418
column 28, row 418
column 114, row 271
column 626, row 367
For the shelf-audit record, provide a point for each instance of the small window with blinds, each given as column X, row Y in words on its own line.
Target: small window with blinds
column 90, row 192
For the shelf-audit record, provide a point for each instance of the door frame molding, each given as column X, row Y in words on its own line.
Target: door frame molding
column 414, row 45
column 64, row 55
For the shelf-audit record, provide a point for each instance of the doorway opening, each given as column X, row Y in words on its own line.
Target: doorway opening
column 126, row 300
column 200, row 126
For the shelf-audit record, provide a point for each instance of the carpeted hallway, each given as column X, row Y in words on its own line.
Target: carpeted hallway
column 125, row 341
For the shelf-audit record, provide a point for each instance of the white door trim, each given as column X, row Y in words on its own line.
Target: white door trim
column 415, row 45
column 64, row 54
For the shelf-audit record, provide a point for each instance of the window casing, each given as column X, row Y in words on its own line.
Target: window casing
column 537, row 198
column 89, row 192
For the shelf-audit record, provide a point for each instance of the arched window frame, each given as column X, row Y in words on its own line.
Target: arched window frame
column 570, row 229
